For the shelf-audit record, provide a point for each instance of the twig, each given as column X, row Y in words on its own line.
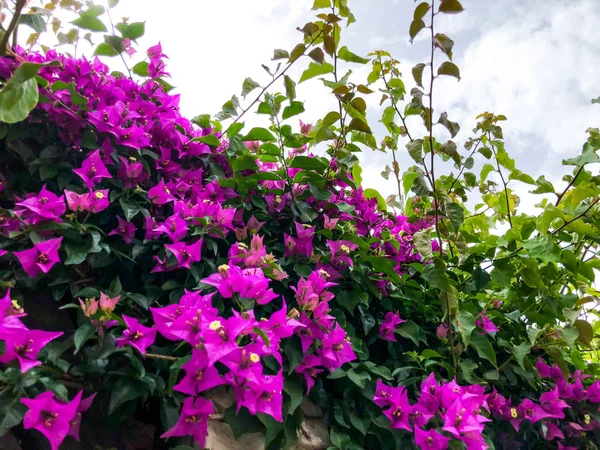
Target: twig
column 561, row 195
column 120, row 52
column 263, row 90
column 568, row 222
column 157, row 356
column 13, row 24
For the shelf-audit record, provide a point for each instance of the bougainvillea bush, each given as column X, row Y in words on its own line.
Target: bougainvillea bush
column 148, row 259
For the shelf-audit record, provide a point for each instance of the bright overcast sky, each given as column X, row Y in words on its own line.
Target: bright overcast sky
column 535, row 61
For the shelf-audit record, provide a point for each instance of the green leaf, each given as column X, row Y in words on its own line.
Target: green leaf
column 543, row 186
column 259, row 134
column 421, row 10
column 280, row 54
column 417, row 71
column 586, row 332
column 89, row 22
column 444, row 43
column 293, row 109
column 105, row 49
column 422, row 243
column 11, row 411
column 124, row 390
column 248, row 86
column 317, row 55
column 295, row 390
column 372, row 193
column 466, row 325
column 409, row 330
column 569, row 334
column 415, row 27
column 450, row 69
column 346, row 55
column 359, row 378
column 324, row 134
column 321, row 4
column 544, row 248
column 358, row 125
column 485, row 171
column 242, row 422
column 307, row 163
column 20, row 94
column 484, row 348
column 314, row 70
column 83, row 333
column 456, row 214
column 340, row 440
column 451, row 7
column 211, row 139
column 130, row 208
column 34, row 21
column 435, row 275
column 131, row 31
column 521, row 351
column 290, row 87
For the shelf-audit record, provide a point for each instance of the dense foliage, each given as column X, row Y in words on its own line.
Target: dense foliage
column 146, row 259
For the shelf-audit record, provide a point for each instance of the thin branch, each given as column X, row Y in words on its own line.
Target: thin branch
column 463, row 167
column 157, row 356
column 395, row 105
column 568, row 222
column 121, row 52
column 561, row 195
column 263, row 90
column 12, row 26
column 505, row 184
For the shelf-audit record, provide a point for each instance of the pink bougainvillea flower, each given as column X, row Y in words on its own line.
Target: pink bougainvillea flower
column 89, row 307
column 309, row 367
column 430, row 440
column 136, row 335
column 220, row 337
column 41, row 258
column 442, row 331
column 486, row 324
column 160, row 194
column 386, row 395
column 552, row 432
column 92, row 170
column 336, row 349
column 24, row 345
column 248, row 283
column 305, row 128
column 186, row 254
column 565, row 447
column 265, row 396
column 460, row 420
column 131, row 173
column 125, row 229
column 387, row 327
column 174, row 227
column 107, row 304
column 193, row 420
column 340, row 252
column 43, row 206
column 553, row 404
column 399, row 412
column 532, row 411
column 83, row 406
column 329, row 224
column 50, row 417
column 199, row 376
column 93, row 201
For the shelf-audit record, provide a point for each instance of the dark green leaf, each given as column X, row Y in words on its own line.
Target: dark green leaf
column 466, row 325
column 34, row 21
column 451, row 7
column 259, row 134
column 83, row 333
column 290, row 87
column 89, row 22
column 449, row 68
column 417, row 71
column 315, row 70
column 124, row 390
column 293, row 109
column 248, row 86
column 484, row 347
column 280, row 54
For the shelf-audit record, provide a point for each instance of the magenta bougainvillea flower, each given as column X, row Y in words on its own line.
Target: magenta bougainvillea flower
column 50, row 417
column 336, row 349
column 125, row 229
column 264, row 395
column 92, row 201
column 430, row 440
column 160, row 194
column 193, row 420
column 131, row 172
column 486, row 324
column 340, row 252
column 41, row 258
column 387, row 327
column 82, row 407
column 92, row 170
column 186, row 254
column 41, row 207
column 247, row 283
column 24, row 345
column 199, row 376
column 108, row 304
column 136, row 335
column 309, row 367
column 399, row 411
column 174, row 227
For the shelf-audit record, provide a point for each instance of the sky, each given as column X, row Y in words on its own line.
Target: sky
column 535, row 61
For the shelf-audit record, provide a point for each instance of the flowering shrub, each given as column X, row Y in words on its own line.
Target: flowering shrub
column 179, row 256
